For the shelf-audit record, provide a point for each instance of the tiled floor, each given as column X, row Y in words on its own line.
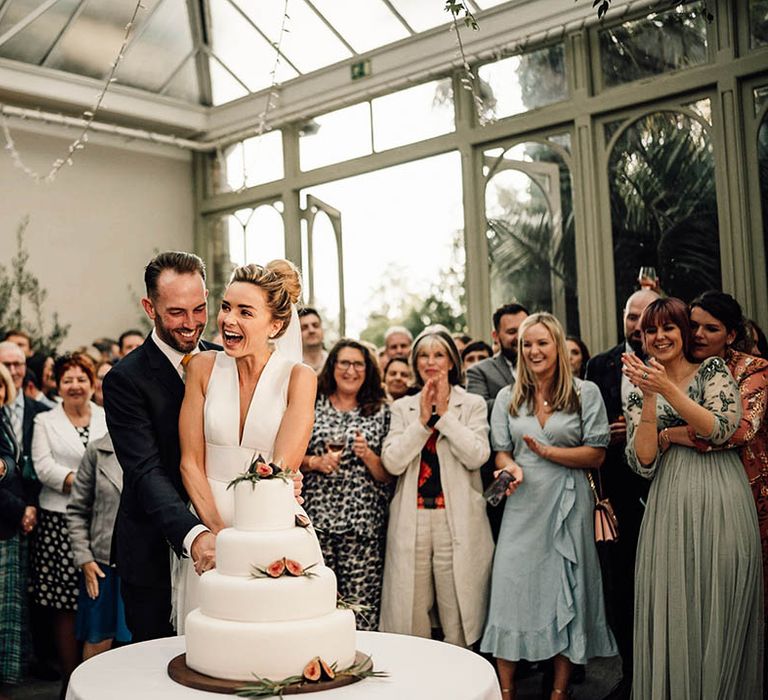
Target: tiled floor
column 602, row 675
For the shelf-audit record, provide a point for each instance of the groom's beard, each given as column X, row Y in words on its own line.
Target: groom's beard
column 175, row 340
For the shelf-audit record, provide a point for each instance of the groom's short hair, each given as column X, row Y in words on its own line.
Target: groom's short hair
column 178, row 261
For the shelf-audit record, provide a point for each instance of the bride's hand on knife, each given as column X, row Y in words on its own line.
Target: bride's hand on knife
column 204, row 552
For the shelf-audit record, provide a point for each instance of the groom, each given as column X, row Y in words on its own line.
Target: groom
column 142, row 399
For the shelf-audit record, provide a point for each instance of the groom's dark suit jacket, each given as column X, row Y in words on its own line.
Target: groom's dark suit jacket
column 142, row 399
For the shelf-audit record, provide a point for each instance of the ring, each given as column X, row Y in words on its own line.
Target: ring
column 645, row 375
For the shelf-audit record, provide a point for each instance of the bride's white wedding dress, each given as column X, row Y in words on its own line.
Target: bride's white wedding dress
column 226, row 454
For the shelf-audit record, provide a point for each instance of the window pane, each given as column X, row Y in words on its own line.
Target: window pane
column 762, row 160
column 263, row 163
column 659, row 43
column 404, row 263
column 336, row 136
column 664, row 207
column 412, row 115
column 307, row 42
column 32, row 43
column 326, row 274
column 517, row 84
column 255, row 235
column 760, row 95
column 365, row 24
column 531, row 233
column 758, row 23
column 240, row 47
column 422, row 15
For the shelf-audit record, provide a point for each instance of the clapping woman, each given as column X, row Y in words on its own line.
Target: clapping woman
column 439, row 545
column 346, row 488
column 546, row 591
column 698, row 595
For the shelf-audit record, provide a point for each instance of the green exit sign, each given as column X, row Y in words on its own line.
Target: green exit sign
column 361, row 69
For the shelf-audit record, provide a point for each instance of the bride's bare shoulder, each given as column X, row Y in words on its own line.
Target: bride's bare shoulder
column 302, row 378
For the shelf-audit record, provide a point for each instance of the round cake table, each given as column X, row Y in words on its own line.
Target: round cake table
column 417, row 668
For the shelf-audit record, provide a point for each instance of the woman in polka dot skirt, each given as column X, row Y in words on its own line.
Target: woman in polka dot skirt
column 58, row 444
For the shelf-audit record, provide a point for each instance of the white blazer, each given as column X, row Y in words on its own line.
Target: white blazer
column 57, row 451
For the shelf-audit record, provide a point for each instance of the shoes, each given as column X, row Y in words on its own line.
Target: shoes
column 43, row 671
column 621, row 691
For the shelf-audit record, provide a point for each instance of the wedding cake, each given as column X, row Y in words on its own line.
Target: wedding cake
column 270, row 606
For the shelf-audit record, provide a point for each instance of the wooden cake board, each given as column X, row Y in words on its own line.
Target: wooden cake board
column 184, row 675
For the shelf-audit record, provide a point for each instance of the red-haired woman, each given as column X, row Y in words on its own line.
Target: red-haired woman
column 698, row 596
column 58, row 445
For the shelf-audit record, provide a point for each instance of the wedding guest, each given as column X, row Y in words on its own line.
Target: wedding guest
column 18, row 517
column 128, row 341
column 759, row 343
column 108, row 349
column 547, row 429
column 474, row 352
column 98, row 379
column 59, row 442
column 626, row 491
column 718, row 328
column 397, row 341
column 22, row 339
column 398, row 377
column 698, row 600
column 346, row 487
column 312, row 336
column 42, row 366
column 578, row 355
column 439, row 545
column 90, row 516
column 461, row 340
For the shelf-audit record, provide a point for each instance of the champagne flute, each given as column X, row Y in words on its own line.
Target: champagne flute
column 647, row 278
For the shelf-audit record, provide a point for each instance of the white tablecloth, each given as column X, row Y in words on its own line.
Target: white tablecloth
column 417, row 668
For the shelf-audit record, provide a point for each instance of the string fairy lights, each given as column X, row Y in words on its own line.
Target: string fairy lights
column 88, row 117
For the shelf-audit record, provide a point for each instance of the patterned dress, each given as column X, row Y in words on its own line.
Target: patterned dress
column 349, row 507
column 698, row 597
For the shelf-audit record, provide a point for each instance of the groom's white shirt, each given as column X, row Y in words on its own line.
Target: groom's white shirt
column 175, row 357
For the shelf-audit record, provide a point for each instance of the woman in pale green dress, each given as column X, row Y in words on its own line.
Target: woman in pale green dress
column 698, row 594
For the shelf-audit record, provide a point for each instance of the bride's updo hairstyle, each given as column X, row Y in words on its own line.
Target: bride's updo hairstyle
column 281, row 282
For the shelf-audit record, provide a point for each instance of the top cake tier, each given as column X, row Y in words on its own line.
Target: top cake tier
column 267, row 504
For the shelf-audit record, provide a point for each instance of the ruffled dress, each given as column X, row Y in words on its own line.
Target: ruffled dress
column 546, row 588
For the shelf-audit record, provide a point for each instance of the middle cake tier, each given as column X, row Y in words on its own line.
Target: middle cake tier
column 247, row 599
column 238, row 551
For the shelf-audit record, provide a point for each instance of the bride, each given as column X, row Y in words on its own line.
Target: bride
column 253, row 398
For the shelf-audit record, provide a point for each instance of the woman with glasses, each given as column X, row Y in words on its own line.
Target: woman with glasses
column 345, row 485
column 439, row 545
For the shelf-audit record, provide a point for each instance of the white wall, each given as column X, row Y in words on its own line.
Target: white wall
column 93, row 229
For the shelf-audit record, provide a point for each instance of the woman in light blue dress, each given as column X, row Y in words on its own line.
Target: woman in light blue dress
column 546, row 590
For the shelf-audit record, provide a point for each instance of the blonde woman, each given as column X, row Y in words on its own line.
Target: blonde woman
column 439, row 546
column 546, row 591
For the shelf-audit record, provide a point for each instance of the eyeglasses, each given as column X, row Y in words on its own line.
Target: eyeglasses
column 15, row 365
column 344, row 365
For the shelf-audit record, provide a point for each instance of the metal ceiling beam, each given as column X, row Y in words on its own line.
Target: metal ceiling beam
column 77, row 12
column 400, row 18
column 263, row 35
column 228, row 69
column 164, row 87
column 196, row 10
column 26, row 21
column 4, row 5
column 330, row 26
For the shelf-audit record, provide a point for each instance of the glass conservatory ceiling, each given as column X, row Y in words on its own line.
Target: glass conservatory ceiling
column 208, row 52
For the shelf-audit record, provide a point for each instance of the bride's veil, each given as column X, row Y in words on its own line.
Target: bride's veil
column 289, row 344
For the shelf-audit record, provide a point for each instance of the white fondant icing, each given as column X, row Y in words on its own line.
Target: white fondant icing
column 275, row 650
column 237, row 551
column 268, row 504
column 268, row 599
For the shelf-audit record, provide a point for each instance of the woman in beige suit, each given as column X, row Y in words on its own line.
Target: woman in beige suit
column 439, row 546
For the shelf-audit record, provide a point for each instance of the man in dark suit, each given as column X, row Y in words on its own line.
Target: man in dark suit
column 626, row 490
column 488, row 377
column 21, row 417
column 142, row 399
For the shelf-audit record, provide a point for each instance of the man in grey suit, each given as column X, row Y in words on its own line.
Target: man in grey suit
column 488, row 377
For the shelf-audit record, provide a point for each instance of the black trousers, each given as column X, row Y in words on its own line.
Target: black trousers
column 147, row 611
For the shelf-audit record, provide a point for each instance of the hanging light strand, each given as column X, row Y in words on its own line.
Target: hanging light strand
column 88, row 117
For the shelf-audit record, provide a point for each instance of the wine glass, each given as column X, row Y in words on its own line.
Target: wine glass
column 647, row 278
column 335, row 445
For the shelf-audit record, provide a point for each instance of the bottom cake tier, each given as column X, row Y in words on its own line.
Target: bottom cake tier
column 275, row 650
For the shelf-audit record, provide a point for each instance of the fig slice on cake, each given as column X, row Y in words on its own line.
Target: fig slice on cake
column 313, row 670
